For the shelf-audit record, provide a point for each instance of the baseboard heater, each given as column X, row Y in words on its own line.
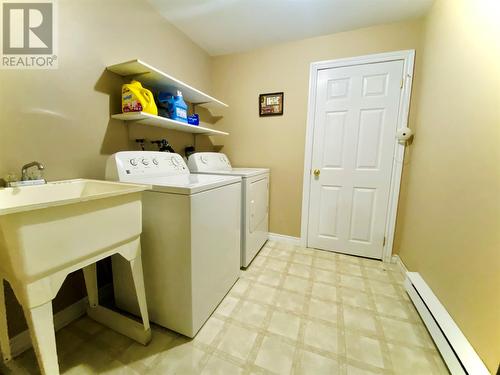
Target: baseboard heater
column 457, row 352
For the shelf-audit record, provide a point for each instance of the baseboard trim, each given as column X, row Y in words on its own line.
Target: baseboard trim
column 22, row 341
column 283, row 238
column 396, row 259
column 457, row 352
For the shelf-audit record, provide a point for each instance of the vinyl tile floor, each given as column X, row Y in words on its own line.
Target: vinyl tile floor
column 293, row 311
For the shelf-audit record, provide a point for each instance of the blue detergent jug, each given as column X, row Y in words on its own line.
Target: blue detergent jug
column 177, row 107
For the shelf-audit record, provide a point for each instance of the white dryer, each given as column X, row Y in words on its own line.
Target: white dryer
column 255, row 198
column 190, row 239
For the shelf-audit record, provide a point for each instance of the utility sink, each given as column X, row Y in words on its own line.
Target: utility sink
column 47, row 227
column 58, row 193
column 50, row 230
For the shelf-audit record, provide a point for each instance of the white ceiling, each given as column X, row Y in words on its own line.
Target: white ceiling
column 228, row 26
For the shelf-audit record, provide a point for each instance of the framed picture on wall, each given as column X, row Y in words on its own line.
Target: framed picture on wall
column 271, row 104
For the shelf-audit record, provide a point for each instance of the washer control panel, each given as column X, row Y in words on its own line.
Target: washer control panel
column 208, row 161
column 128, row 164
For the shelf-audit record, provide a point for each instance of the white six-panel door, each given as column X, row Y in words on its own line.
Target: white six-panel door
column 355, row 122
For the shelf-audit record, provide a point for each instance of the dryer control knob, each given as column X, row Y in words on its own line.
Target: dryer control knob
column 155, row 161
column 145, row 161
column 133, row 162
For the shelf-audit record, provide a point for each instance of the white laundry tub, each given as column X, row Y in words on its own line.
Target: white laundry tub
column 48, row 227
column 50, row 230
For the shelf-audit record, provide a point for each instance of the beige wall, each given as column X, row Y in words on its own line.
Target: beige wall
column 449, row 219
column 61, row 117
column 278, row 142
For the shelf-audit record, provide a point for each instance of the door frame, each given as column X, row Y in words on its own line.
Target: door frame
column 408, row 58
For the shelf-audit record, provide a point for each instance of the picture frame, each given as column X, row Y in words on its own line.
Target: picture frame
column 271, row 104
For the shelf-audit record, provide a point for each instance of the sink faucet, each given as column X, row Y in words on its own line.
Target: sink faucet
column 24, row 170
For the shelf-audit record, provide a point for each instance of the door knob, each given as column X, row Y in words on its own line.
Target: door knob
column 316, row 172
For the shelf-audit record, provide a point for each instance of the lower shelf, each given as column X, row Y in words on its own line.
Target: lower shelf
column 166, row 123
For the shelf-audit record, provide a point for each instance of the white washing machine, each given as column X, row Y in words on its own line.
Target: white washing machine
column 190, row 239
column 255, row 198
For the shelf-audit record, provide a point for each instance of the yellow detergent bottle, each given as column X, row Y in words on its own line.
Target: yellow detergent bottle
column 136, row 98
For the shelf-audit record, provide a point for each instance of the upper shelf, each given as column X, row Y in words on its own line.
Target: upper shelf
column 166, row 123
column 157, row 79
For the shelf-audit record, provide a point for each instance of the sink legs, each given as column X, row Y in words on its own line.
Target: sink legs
column 90, row 275
column 137, row 276
column 124, row 325
column 41, row 326
column 4, row 331
column 36, row 299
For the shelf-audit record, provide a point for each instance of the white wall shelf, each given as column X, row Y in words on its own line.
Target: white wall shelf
column 166, row 123
column 156, row 79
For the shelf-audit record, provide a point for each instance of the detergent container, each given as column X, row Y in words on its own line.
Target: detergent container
column 177, row 107
column 194, row 119
column 136, row 98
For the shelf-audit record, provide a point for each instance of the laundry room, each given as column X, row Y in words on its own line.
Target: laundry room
column 249, row 187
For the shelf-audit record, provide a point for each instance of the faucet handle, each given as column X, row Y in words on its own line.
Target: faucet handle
column 11, row 177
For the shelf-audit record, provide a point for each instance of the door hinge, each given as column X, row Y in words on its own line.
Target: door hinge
column 402, row 82
column 383, row 243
